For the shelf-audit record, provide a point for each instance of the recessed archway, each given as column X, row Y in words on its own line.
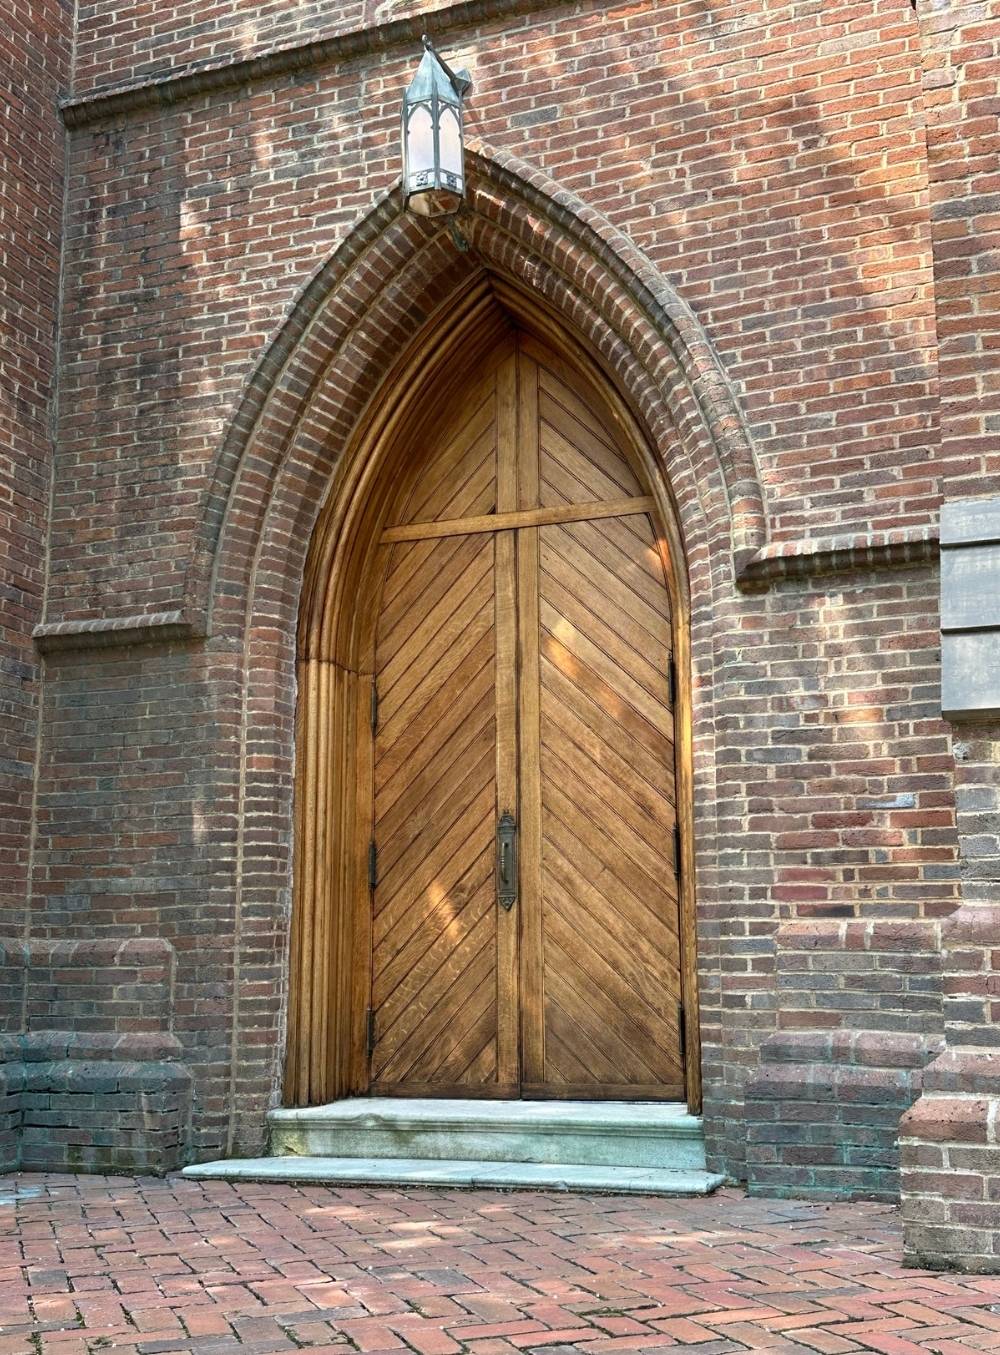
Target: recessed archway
column 363, row 307
column 331, row 1016
column 321, row 380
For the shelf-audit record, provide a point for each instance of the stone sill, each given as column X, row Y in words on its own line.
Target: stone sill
column 849, row 552
column 57, row 637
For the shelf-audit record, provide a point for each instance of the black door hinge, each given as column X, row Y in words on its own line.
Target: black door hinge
column 372, row 865
column 672, row 682
column 370, row 1036
column 677, row 850
column 682, row 1028
column 373, row 714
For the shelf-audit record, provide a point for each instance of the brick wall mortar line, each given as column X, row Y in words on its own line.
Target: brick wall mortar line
column 241, row 812
column 177, row 86
column 53, row 426
column 783, row 560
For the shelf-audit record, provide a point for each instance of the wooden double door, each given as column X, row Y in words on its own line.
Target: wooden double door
column 524, row 864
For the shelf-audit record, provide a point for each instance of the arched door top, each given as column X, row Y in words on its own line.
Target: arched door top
column 499, row 484
column 362, row 310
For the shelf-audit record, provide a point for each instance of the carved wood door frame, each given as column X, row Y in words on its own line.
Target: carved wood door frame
column 329, row 993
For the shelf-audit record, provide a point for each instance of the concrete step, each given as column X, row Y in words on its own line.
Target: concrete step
column 396, row 1171
column 651, row 1136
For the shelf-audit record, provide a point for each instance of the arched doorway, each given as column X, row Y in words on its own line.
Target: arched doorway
column 493, row 885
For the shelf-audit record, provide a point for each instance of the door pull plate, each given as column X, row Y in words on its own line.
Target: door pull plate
column 506, row 861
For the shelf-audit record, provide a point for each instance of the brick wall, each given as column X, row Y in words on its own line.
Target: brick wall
column 790, row 207
column 860, row 1016
column 951, row 1180
column 90, row 1077
column 35, row 65
column 138, row 788
column 771, row 160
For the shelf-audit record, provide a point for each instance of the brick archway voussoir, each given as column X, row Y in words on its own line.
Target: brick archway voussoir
column 367, row 302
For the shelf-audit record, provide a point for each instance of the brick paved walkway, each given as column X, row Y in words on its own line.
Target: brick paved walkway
column 91, row 1264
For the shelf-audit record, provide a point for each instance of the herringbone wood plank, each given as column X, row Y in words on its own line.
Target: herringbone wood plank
column 434, row 927
column 561, row 631
column 609, row 914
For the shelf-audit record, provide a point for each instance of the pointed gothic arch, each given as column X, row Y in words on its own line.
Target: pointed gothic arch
column 367, row 302
column 331, row 942
column 300, row 425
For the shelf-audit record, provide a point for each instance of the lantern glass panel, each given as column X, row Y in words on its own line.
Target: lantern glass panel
column 419, row 141
column 450, row 141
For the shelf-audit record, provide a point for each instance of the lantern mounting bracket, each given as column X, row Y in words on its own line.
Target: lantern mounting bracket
column 457, row 238
column 461, row 80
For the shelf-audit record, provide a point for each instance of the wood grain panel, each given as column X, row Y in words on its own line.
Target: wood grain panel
column 577, row 458
column 434, row 935
column 522, row 656
column 458, row 478
column 611, row 961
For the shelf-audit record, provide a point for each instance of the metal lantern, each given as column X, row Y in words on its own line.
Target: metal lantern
column 433, row 168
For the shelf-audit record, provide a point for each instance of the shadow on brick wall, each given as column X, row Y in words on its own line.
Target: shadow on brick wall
column 90, row 1078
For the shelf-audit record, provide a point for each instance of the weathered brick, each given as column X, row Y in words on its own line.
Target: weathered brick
column 814, row 182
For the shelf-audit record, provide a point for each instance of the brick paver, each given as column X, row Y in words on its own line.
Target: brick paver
column 145, row 1267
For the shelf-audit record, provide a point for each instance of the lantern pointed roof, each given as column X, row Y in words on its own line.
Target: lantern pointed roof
column 433, row 76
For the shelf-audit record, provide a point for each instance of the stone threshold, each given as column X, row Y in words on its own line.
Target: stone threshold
column 376, row 1172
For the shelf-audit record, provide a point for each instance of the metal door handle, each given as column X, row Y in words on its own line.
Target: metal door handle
column 506, row 861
